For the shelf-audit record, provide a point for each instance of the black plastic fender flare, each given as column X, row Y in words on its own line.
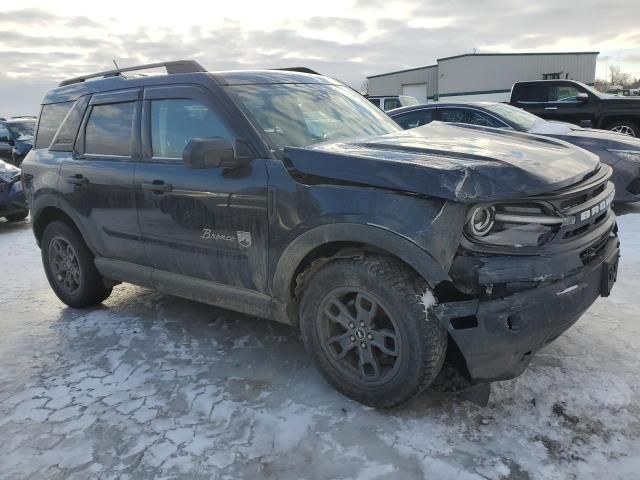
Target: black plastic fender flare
column 403, row 248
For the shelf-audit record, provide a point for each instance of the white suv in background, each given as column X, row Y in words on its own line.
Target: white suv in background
column 392, row 101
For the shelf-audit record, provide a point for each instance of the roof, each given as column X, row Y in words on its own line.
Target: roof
column 70, row 90
column 514, row 54
column 403, row 71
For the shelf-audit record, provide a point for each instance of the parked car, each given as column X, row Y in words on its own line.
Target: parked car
column 389, row 102
column 16, row 139
column 391, row 250
column 13, row 205
column 621, row 152
column 577, row 103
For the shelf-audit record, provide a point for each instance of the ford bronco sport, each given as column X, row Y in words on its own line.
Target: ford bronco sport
column 289, row 196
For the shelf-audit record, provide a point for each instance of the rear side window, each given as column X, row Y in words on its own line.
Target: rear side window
column 414, row 119
column 109, row 129
column 532, row 93
column 51, row 117
column 391, row 103
column 174, row 122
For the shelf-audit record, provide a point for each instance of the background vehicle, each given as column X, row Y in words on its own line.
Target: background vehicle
column 13, row 205
column 577, row 103
column 16, row 138
column 392, row 101
column 621, row 152
column 276, row 194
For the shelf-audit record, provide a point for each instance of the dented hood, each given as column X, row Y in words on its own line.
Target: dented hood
column 454, row 162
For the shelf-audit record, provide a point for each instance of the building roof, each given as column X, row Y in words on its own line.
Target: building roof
column 514, row 54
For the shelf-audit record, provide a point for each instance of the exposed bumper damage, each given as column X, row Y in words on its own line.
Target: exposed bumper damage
column 499, row 332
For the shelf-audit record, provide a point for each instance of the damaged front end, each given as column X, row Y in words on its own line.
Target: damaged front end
column 526, row 271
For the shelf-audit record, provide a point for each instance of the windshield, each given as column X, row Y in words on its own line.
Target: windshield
column 299, row 115
column 521, row 118
column 21, row 128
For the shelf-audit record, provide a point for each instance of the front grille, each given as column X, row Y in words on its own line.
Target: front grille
column 586, row 206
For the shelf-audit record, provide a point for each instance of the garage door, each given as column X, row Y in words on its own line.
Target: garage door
column 418, row 90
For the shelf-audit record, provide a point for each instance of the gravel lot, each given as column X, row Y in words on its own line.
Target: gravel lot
column 153, row 386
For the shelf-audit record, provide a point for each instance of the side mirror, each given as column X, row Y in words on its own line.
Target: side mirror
column 582, row 97
column 214, row 152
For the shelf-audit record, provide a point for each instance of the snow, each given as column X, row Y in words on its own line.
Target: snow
column 153, row 386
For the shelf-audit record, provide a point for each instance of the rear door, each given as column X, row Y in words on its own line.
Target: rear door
column 96, row 182
column 209, row 224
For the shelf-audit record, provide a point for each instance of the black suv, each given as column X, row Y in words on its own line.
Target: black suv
column 289, row 196
column 575, row 102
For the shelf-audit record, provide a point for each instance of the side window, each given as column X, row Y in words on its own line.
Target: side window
column 51, row 117
column 563, row 93
column 174, row 122
column 532, row 93
column 390, row 103
column 109, row 129
column 375, row 101
column 414, row 119
column 4, row 133
column 470, row 117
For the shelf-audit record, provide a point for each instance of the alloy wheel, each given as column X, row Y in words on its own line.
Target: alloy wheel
column 358, row 335
column 624, row 129
column 64, row 264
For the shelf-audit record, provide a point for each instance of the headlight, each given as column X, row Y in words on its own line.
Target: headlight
column 633, row 155
column 515, row 225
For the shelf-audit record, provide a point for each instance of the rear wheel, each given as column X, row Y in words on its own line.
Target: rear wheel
column 624, row 127
column 365, row 325
column 68, row 263
column 16, row 217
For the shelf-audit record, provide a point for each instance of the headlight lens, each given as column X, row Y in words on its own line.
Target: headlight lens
column 8, row 172
column 515, row 225
column 633, row 155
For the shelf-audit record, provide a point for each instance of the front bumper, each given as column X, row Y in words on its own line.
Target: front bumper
column 498, row 336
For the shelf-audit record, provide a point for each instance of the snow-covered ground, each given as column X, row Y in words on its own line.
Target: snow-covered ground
column 153, row 386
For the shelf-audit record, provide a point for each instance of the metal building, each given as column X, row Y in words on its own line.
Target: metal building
column 483, row 76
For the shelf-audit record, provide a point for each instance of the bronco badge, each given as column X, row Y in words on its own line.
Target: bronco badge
column 244, row 239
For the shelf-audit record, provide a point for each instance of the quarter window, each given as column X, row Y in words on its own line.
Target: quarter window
column 50, row 119
column 174, row 122
column 109, row 129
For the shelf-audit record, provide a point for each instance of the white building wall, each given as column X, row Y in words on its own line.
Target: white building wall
column 486, row 74
column 391, row 84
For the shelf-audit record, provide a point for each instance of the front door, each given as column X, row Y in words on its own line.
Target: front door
column 209, row 224
column 97, row 182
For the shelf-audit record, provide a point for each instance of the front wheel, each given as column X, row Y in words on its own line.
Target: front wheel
column 68, row 263
column 365, row 325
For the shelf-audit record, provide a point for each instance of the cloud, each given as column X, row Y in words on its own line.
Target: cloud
column 37, row 45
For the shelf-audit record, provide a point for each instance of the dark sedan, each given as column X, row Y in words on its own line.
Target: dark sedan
column 621, row 152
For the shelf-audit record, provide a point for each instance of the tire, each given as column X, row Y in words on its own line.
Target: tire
column 74, row 278
column 413, row 343
column 624, row 127
column 16, row 217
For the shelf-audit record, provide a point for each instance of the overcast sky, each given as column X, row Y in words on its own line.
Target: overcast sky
column 42, row 43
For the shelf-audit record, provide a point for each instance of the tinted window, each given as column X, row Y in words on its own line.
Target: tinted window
column 471, row 117
column 375, row 101
column 109, row 129
column 4, row 132
column 532, row 93
column 50, row 119
column 390, row 103
column 174, row 122
column 414, row 119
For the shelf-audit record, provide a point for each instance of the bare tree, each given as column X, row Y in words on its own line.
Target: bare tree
column 616, row 76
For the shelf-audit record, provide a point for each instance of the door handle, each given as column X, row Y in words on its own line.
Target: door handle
column 157, row 186
column 78, row 180
column 550, row 108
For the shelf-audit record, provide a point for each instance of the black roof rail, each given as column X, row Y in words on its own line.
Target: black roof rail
column 299, row 69
column 177, row 66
